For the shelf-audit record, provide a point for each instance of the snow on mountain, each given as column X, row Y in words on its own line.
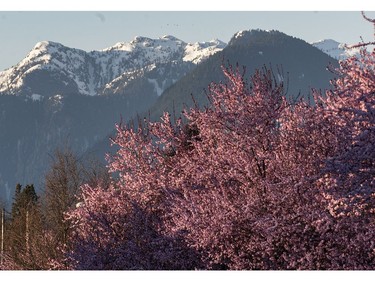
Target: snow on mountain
column 51, row 57
column 197, row 52
column 335, row 49
column 138, row 53
column 243, row 33
column 90, row 72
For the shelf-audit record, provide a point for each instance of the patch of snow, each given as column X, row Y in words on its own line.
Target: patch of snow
column 335, row 49
column 57, row 103
column 200, row 51
column 239, row 33
column 158, row 89
column 36, row 97
column 58, row 97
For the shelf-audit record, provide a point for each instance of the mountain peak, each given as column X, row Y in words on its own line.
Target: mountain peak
column 248, row 32
column 48, row 46
column 199, row 51
column 140, row 39
column 326, row 41
column 254, row 35
column 143, row 39
column 241, row 33
column 218, row 43
column 170, row 37
column 335, row 49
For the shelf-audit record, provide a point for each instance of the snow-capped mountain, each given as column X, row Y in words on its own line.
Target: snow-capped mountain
column 59, row 95
column 335, row 49
column 65, row 70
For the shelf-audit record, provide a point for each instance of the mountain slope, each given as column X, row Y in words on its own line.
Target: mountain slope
column 300, row 65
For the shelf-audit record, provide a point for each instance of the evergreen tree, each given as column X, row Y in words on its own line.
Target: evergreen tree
column 16, row 203
column 24, row 235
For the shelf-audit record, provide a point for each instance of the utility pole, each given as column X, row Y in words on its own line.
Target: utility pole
column 27, row 231
column 2, row 235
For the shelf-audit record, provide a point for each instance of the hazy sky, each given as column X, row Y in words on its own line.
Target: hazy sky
column 93, row 30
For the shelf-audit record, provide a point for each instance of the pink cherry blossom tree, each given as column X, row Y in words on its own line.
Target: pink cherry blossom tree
column 350, row 173
column 246, row 195
column 252, row 181
column 348, row 179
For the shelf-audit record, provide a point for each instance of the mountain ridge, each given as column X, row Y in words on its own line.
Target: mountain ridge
column 89, row 72
column 255, row 49
column 94, row 72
